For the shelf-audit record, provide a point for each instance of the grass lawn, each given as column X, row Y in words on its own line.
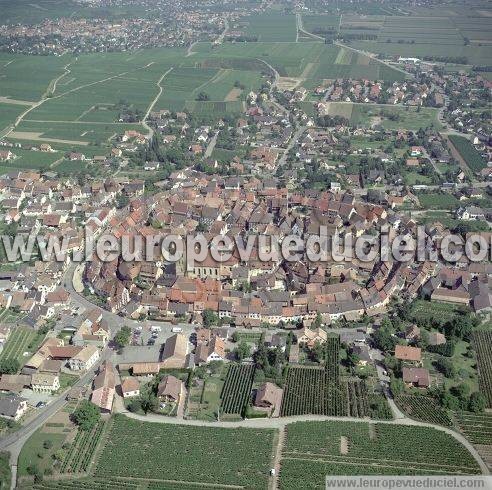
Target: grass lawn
column 466, row 372
column 66, row 380
column 34, row 453
column 437, row 200
column 5, row 474
column 204, row 399
column 437, row 312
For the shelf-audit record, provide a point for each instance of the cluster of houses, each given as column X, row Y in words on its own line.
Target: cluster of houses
column 409, row 92
column 87, row 35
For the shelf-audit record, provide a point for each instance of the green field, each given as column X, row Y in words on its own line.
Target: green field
column 16, row 75
column 216, row 456
column 314, row 449
column 270, row 26
column 478, row 55
column 467, row 151
column 82, row 94
column 9, row 113
column 438, row 201
column 388, row 117
column 38, row 160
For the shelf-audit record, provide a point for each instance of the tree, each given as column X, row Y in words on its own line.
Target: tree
column 242, row 351
column 317, row 353
column 9, row 366
column 353, row 359
column 317, row 322
column 397, row 386
column 148, row 400
column 202, row 96
column 384, row 340
column 122, row 337
column 209, row 318
column 449, row 401
column 87, row 415
column 477, row 402
column 261, row 355
column 446, row 367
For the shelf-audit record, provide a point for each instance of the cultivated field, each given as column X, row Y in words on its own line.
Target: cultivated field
column 319, row 391
column 424, row 408
column 476, row 426
column 237, row 388
column 482, row 341
column 184, row 454
column 315, row 449
column 471, row 156
column 270, row 26
column 21, row 339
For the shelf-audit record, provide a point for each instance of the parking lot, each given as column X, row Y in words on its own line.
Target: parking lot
column 156, row 334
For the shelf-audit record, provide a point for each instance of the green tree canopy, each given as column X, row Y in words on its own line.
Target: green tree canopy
column 87, row 415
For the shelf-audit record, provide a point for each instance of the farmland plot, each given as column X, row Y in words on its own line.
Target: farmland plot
column 467, row 151
column 477, row 427
column 482, row 341
column 424, row 408
column 186, row 454
column 237, row 388
column 315, row 449
column 270, row 26
column 16, row 78
column 80, row 454
column 18, row 342
column 319, row 391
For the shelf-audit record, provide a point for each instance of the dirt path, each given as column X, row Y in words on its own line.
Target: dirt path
column 153, row 103
column 275, row 483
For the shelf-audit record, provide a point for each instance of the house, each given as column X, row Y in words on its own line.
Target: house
column 407, row 353
column 6, row 155
column 45, row 382
column 170, row 389
column 445, row 295
column 130, row 388
column 268, row 396
column 214, row 350
column 84, row 359
column 14, row 383
column 310, row 337
column 175, row 352
column 104, row 388
column 12, row 407
column 416, row 377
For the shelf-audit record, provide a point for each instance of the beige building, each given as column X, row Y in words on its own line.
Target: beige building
column 85, row 359
column 45, row 382
column 175, row 352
